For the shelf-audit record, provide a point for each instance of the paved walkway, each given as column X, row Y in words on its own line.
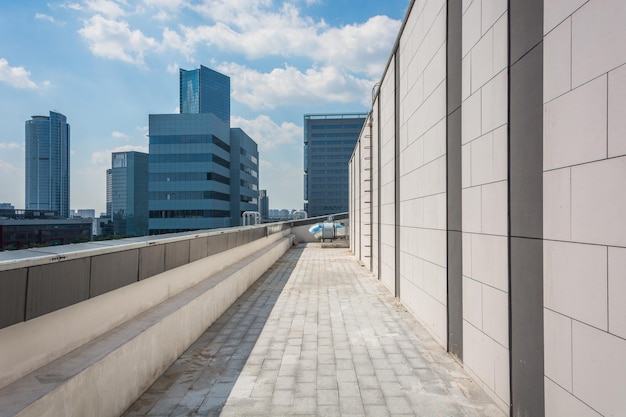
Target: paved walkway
column 317, row 335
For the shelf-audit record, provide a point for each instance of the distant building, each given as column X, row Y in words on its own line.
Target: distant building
column 21, row 229
column 6, row 206
column 48, row 163
column 85, row 213
column 329, row 141
column 109, row 193
column 202, row 173
column 264, row 205
column 129, row 193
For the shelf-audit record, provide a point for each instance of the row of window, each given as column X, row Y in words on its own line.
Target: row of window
column 188, row 157
column 249, row 185
column 334, row 142
column 183, row 139
column 344, row 150
column 335, row 135
column 186, row 214
column 341, row 157
column 188, row 176
column 188, row 195
column 249, row 171
column 333, row 172
column 347, row 126
column 248, row 199
column 249, row 156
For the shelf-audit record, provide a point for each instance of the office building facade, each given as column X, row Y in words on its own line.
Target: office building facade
column 47, row 149
column 329, row 140
column 203, row 174
column 109, row 192
column 204, row 90
column 129, row 193
column 264, row 205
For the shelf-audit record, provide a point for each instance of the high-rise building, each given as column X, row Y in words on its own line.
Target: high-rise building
column 202, row 173
column 264, row 205
column 129, row 193
column 48, row 164
column 109, row 192
column 204, row 90
column 329, row 141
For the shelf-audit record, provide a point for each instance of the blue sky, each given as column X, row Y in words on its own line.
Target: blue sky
column 107, row 64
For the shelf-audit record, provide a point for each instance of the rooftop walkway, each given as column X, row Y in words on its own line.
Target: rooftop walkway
column 316, row 335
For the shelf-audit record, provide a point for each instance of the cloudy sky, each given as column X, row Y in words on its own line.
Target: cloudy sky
column 107, row 64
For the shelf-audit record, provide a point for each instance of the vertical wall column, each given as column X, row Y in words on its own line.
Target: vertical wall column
column 396, row 162
column 526, row 207
column 454, row 178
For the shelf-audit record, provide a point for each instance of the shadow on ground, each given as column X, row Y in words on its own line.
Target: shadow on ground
column 201, row 379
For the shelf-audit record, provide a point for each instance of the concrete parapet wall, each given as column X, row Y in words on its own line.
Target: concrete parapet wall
column 38, row 281
column 116, row 344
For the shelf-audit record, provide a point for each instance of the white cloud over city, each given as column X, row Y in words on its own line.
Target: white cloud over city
column 119, row 63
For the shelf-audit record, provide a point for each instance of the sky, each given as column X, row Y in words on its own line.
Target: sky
column 107, row 64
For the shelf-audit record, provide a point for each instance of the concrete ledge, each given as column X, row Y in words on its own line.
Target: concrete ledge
column 113, row 362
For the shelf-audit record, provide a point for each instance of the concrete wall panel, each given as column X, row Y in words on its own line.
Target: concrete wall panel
column 151, row 261
column 176, row 254
column 112, row 271
column 198, row 248
column 12, row 296
column 56, row 285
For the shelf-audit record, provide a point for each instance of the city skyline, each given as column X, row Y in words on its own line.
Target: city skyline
column 113, row 64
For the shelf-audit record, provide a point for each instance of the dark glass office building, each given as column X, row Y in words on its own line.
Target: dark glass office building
column 329, row 141
column 48, row 164
column 204, row 90
column 203, row 174
column 129, row 193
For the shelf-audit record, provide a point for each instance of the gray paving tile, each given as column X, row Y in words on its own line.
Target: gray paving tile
column 317, row 335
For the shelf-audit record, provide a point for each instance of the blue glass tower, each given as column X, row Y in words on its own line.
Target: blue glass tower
column 129, row 193
column 204, row 90
column 48, row 164
column 202, row 173
column 329, row 141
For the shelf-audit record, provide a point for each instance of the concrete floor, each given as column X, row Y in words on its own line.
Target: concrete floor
column 317, row 335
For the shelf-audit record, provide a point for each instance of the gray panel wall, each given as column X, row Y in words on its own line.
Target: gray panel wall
column 526, row 207
column 176, row 254
column 12, row 296
column 198, row 248
column 54, row 286
column 454, row 179
column 27, row 293
column 113, row 270
column 151, row 261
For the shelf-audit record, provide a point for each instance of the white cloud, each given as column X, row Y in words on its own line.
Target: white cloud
column 173, row 68
column 106, row 7
column 166, row 4
column 254, row 30
column 10, row 146
column 361, row 48
column 41, row 16
column 266, row 133
column 119, row 135
column 289, row 86
column 115, row 40
column 17, row 77
column 71, row 6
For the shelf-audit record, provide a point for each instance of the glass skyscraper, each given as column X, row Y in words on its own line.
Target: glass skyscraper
column 129, row 193
column 204, row 90
column 202, row 173
column 329, row 141
column 48, row 164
